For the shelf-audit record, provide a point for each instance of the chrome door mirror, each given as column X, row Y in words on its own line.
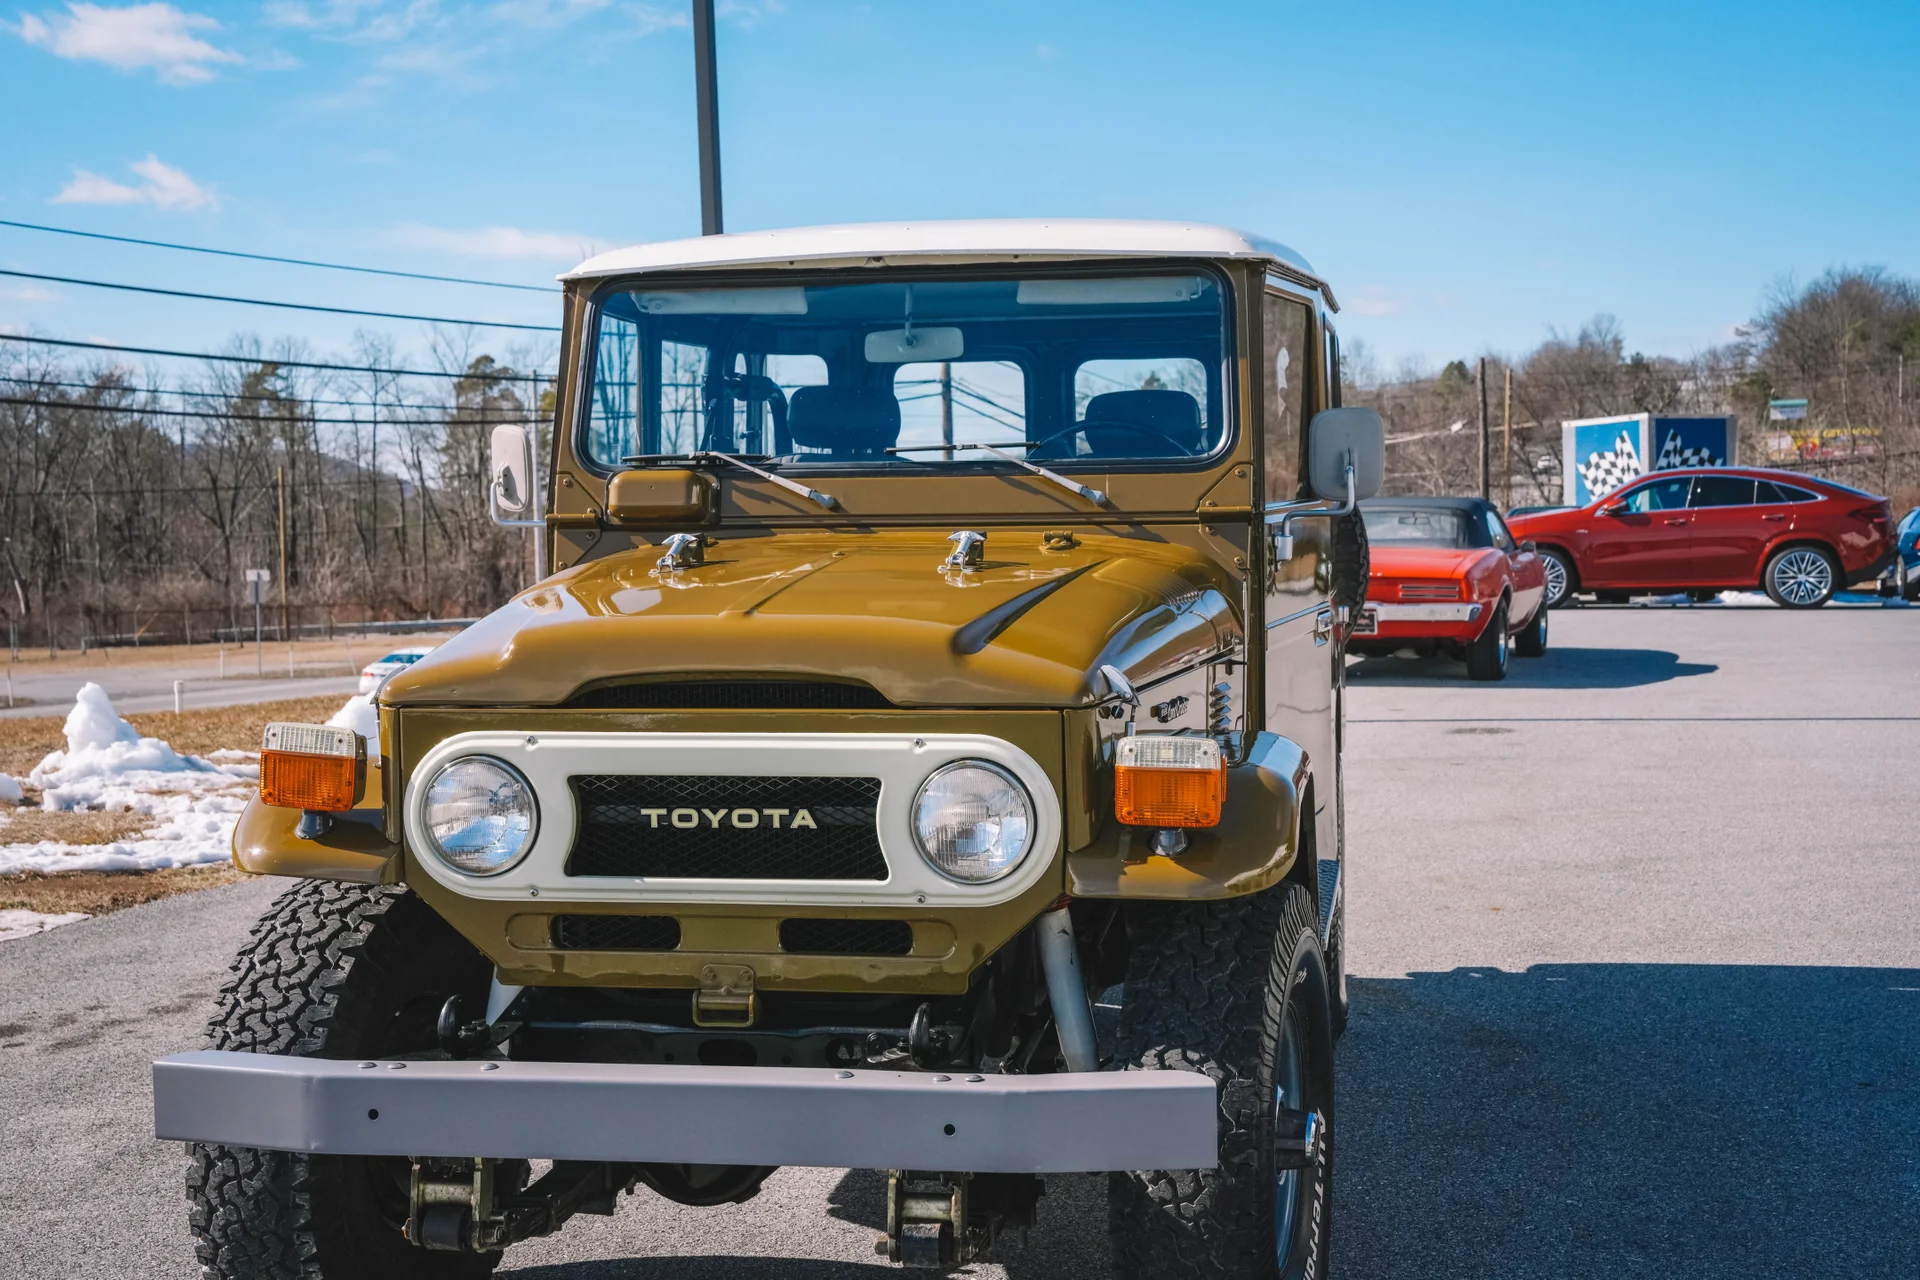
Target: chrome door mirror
column 1341, row 438
column 512, row 458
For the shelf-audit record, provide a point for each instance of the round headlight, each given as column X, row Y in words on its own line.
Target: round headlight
column 480, row 815
column 973, row 821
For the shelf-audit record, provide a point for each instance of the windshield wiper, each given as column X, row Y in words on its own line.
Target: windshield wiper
column 1095, row 496
column 826, row 500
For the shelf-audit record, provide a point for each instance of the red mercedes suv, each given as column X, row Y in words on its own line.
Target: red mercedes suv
column 1707, row 529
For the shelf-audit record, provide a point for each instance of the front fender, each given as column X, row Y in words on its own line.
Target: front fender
column 1253, row 847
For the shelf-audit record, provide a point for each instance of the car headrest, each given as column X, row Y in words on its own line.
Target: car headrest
column 1173, row 414
column 844, row 419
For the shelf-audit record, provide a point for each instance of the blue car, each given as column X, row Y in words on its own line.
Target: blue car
column 1902, row 577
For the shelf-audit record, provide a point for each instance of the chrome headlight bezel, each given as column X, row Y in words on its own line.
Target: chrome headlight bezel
column 1019, row 790
column 513, row 776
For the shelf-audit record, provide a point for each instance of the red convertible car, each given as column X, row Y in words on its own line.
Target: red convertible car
column 1704, row 530
column 1448, row 577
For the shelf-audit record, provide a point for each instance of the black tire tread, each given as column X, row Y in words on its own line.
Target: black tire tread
column 1202, row 974
column 252, row 1212
column 1352, row 566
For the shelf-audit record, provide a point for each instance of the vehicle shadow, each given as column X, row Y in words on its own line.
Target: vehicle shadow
column 1578, row 1120
column 1626, row 1120
column 1556, row 669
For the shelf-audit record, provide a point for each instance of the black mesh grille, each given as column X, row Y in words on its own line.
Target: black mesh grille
column 734, row 695
column 727, row 828
column 847, row 937
column 616, row 933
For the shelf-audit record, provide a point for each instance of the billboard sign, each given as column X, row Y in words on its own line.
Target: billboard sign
column 1598, row 455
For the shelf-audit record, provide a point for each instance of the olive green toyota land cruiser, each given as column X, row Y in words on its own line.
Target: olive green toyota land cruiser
column 922, row 754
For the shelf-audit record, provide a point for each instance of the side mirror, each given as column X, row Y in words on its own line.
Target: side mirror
column 512, row 457
column 1530, row 547
column 1613, row 509
column 1337, row 438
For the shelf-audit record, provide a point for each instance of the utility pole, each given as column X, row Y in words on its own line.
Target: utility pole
column 1486, row 458
column 946, row 406
column 706, row 92
column 280, row 482
column 1506, row 448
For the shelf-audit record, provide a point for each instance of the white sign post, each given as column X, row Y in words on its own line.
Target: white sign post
column 257, row 580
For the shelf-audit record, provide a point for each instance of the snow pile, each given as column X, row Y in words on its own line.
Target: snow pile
column 10, row 792
column 361, row 716
column 108, row 766
column 21, row 924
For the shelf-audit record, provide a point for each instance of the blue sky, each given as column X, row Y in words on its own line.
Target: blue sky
column 1467, row 175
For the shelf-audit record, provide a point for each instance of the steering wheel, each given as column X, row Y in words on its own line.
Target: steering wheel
column 1039, row 448
column 749, row 387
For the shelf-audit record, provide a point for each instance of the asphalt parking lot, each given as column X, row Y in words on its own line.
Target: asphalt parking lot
column 1636, row 945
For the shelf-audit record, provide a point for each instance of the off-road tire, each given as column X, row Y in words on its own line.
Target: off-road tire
column 1209, row 988
column 1532, row 640
column 1785, row 587
column 1352, row 565
column 330, row 971
column 1338, row 1005
column 1487, row 655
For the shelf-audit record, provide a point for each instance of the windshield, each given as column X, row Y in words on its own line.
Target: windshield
column 1418, row 527
column 1055, row 368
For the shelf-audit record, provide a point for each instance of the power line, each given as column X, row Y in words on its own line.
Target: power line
column 213, row 395
column 266, row 302
column 267, row 257
column 520, row 418
column 283, row 364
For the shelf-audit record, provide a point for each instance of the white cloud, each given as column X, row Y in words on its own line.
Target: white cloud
column 1374, row 300
column 496, row 242
column 132, row 38
column 165, row 187
column 91, row 188
column 546, row 13
column 650, row 20
column 29, row 293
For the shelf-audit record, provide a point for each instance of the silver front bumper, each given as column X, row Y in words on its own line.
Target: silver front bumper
column 1073, row 1122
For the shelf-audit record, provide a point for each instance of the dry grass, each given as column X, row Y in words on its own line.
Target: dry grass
column 23, row 743
column 98, row 892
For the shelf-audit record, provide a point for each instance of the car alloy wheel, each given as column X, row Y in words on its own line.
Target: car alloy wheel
column 1802, row 577
column 1558, row 580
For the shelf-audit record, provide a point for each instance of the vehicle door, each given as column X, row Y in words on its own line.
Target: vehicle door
column 1525, row 570
column 1728, row 531
column 1302, row 660
column 1640, row 536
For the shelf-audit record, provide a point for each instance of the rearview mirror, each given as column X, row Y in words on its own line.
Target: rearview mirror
column 1339, row 438
column 913, row 346
column 512, row 455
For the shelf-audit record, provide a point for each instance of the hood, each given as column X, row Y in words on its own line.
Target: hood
column 1425, row 562
column 1028, row 628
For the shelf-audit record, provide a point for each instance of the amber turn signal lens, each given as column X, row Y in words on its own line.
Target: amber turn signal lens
column 1168, row 782
column 309, row 766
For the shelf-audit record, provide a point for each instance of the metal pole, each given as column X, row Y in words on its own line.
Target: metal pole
column 946, row 405
column 259, row 654
column 707, row 97
column 1486, row 459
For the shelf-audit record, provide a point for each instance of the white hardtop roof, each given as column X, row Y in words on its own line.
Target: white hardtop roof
column 998, row 238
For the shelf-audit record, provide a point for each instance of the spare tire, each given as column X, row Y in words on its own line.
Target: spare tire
column 1352, row 563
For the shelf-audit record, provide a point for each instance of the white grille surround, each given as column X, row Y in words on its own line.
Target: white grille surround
column 901, row 761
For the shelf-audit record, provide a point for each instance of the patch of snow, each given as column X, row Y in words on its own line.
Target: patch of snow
column 195, row 801
column 1747, row 600
column 10, row 792
column 21, row 924
column 361, row 716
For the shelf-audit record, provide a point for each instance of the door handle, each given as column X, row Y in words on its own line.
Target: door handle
column 1323, row 625
column 1676, row 521
column 1773, row 517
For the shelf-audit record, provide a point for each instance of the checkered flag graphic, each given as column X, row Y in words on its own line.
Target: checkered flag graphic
column 1673, row 455
column 1605, row 472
